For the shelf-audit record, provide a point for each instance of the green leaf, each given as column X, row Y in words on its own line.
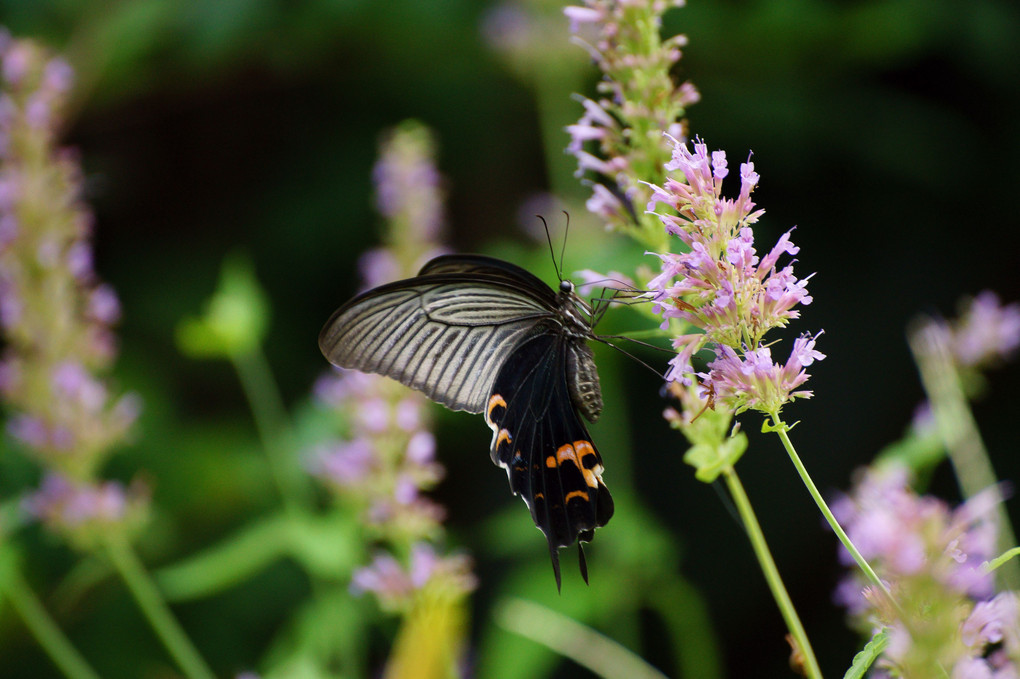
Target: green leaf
column 709, row 460
column 235, row 318
column 863, row 660
column 326, row 546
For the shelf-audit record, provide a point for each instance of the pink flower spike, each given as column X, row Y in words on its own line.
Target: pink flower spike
column 581, row 15
column 804, row 350
column 719, row 169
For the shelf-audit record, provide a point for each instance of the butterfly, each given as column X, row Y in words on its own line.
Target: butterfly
column 479, row 334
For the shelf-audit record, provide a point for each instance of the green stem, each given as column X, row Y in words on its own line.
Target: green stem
column 271, row 421
column 155, row 608
column 42, row 626
column 768, row 567
column 781, row 428
column 600, row 654
column 959, row 432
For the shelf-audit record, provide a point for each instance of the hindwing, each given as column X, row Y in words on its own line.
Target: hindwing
column 543, row 444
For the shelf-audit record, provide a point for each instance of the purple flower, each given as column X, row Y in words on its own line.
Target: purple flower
column 373, row 414
column 344, row 463
column 408, row 185
column 507, row 27
column 58, row 76
column 378, row 266
column 395, row 585
column 991, row 621
column 583, row 15
column 421, row 449
column 30, row 430
column 987, row 331
column 11, row 306
column 383, row 459
column 60, row 343
column 931, row 558
column 623, row 39
column 753, row 380
column 613, row 280
column 80, row 508
column 8, row 230
column 721, row 286
column 605, row 204
column 335, row 388
column 74, row 384
column 424, row 563
column 408, row 414
column 18, row 58
column 384, row 576
column 104, row 306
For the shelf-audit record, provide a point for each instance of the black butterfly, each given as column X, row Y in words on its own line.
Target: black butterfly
column 483, row 335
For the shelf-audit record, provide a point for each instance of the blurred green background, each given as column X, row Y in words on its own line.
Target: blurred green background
column 886, row 131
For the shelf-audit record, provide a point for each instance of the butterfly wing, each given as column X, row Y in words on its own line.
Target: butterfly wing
column 540, row 439
column 446, row 332
column 490, row 268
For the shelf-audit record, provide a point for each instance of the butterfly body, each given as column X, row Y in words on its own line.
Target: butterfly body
column 485, row 336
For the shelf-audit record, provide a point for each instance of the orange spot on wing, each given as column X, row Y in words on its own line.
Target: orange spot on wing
column 495, row 401
column 583, row 494
column 576, row 453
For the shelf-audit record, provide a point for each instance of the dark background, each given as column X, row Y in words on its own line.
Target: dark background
column 887, row 132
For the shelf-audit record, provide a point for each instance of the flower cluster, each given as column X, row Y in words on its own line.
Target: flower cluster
column 987, row 331
column 394, row 585
column 527, row 36
column 55, row 314
column 384, row 457
column 639, row 101
column 933, row 559
column 409, row 195
column 723, row 288
column 86, row 510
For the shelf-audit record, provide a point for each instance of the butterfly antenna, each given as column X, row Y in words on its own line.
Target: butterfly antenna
column 552, row 251
column 566, row 231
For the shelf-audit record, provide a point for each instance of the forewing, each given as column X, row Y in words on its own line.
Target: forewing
column 491, row 268
column 544, row 445
column 445, row 334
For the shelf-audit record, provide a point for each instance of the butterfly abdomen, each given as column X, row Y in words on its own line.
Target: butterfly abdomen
column 583, row 381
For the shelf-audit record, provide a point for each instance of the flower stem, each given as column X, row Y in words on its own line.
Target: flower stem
column 272, row 423
column 768, row 567
column 959, row 432
column 154, row 608
column 571, row 639
column 782, row 430
column 42, row 626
